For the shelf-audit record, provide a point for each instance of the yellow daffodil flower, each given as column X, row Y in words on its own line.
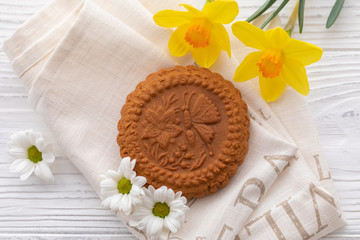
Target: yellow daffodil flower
column 280, row 61
column 199, row 32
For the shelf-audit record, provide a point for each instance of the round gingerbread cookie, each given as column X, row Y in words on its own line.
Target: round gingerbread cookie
column 187, row 128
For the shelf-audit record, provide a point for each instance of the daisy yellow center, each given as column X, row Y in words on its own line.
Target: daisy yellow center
column 270, row 63
column 161, row 210
column 198, row 33
column 124, row 186
column 34, row 154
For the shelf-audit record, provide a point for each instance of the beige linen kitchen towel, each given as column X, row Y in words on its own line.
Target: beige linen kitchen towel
column 79, row 60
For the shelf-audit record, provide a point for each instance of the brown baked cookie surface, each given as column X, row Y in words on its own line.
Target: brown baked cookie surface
column 187, row 128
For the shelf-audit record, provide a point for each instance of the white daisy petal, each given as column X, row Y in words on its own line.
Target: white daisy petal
column 32, row 136
column 103, row 176
column 27, row 173
column 139, row 181
column 183, row 199
column 123, row 203
column 19, row 165
column 43, row 171
column 132, row 164
column 136, row 201
column 129, row 175
column 114, row 175
column 176, row 218
column 18, row 152
column 176, row 204
column 151, row 190
column 148, row 203
column 178, row 194
column 160, row 194
column 164, row 235
column 141, row 213
column 135, row 190
column 170, row 195
column 140, row 223
column 106, row 202
column 172, row 224
column 126, row 204
column 48, row 157
column 115, row 202
column 124, row 166
column 108, row 194
column 47, row 147
column 40, row 143
column 155, row 227
column 20, row 139
column 108, row 183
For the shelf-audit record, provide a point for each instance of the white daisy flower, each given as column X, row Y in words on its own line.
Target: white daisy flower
column 33, row 155
column 122, row 190
column 161, row 211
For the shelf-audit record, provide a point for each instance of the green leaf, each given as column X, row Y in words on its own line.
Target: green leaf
column 261, row 10
column 335, row 11
column 292, row 20
column 301, row 14
column 282, row 5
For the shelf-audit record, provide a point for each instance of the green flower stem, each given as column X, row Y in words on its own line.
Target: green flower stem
column 34, row 154
column 208, row 1
column 282, row 5
column 261, row 10
column 292, row 20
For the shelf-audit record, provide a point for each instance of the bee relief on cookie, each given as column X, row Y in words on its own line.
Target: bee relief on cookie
column 197, row 117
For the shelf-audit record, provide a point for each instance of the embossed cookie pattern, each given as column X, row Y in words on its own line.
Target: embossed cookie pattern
column 187, row 128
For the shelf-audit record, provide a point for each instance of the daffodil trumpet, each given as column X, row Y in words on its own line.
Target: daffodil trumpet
column 200, row 32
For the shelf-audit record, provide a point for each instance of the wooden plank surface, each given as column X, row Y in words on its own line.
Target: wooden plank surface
column 70, row 209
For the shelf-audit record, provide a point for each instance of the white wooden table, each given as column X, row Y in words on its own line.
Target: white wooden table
column 70, row 209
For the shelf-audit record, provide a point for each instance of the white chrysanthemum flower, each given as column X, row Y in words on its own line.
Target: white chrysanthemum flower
column 33, row 155
column 122, row 190
column 161, row 211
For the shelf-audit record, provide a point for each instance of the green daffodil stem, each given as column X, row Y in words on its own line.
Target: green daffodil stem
column 208, row 1
column 282, row 5
column 261, row 10
column 292, row 20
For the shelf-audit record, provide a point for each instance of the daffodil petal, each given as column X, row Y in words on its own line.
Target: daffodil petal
column 193, row 11
column 248, row 69
column 205, row 57
column 221, row 37
column 307, row 53
column 221, row 11
column 250, row 35
column 294, row 73
column 277, row 37
column 271, row 88
column 172, row 18
column 177, row 45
